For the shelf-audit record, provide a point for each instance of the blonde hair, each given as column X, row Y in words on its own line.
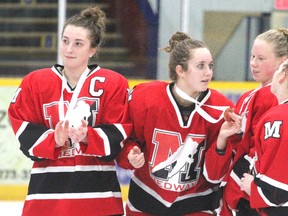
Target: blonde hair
column 278, row 38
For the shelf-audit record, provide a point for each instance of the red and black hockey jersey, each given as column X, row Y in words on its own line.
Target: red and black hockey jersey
column 82, row 179
column 182, row 169
column 269, row 190
column 251, row 106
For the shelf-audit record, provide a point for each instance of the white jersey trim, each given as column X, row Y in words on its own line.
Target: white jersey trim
column 165, row 202
column 73, row 196
column 105, row 140
column 76, row 168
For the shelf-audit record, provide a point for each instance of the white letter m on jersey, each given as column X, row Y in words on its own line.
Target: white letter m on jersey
column 272, row 130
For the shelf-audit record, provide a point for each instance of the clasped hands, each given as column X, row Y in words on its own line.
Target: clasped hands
column 63, row 132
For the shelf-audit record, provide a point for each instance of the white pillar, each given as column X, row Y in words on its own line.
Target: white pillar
column 185, row 6
column 61, row 22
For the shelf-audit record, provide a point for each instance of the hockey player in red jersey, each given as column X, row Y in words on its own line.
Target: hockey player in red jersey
column 71, row 120
column 269, row 50
column 267, row 186
column 179, row 152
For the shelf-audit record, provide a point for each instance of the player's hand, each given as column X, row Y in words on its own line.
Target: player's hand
column 79, row 134
column 228, row 128
column 231, row 127
column 61, row 133
column 136, row 157
column 245, row 183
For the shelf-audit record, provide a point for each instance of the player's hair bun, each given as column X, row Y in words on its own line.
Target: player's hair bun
column 175, row 39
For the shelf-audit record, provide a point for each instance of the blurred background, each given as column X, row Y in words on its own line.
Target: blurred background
column 136, row 30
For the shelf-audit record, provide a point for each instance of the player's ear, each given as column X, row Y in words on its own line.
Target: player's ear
column 282, row 77
column 92, row 52
column 284, row 73
column 179, row 70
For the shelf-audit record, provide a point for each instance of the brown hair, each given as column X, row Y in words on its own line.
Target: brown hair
column 92, row 19
column 180, row 46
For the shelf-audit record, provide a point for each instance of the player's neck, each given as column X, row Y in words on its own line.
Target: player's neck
column 180, row 100
column 71, row 76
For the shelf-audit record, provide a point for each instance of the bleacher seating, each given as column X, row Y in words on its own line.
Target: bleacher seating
column 28, row 36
